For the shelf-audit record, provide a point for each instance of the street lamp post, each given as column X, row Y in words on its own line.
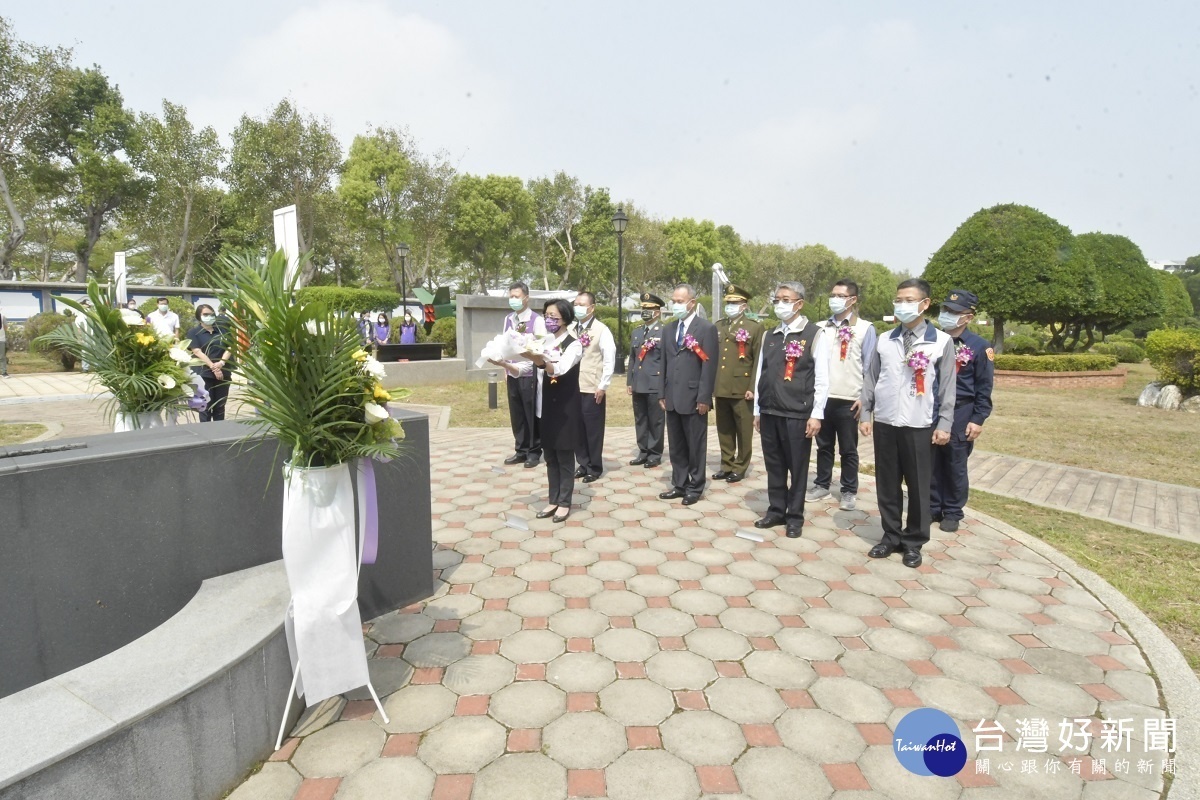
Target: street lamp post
column 402, row 251
column 619, row 221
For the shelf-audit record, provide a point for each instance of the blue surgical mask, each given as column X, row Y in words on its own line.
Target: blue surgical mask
column 552, row 324
column 581, row 312
column 733, row 309
column 679, row 310
column 906, row 312
column 515, row 303
column 838, row 304
column 208, row 319
column 163, row 307
column 948, row 320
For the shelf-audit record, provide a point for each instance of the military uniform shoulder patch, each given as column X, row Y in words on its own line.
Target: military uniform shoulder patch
column 991, row 354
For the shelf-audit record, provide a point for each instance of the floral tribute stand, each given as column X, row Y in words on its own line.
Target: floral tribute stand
column 318, row 393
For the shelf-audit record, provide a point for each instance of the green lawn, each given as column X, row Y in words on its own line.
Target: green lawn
column 18, row 432
column 21, row 363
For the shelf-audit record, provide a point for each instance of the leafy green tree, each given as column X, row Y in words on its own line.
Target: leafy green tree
column 645, row 253
column 596, row 261
column 183, row 205
column 1177, row 305
column 492, row 221
column 877, row 291
column 85, row 134
column 27, row 80
column 1129, row 288
column 288, row 158
column 429, row 216
column 1022, row 265
column 692, row 248
column 558, row 205
column 375, row 193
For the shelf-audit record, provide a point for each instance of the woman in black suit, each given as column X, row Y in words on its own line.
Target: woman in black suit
column 559, row 416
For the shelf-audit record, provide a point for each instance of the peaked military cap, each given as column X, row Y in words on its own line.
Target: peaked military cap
column 652, row 301
column 961, row 300
column 736, row 293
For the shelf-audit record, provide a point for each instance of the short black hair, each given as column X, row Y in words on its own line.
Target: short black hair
column 200, row 308
column 524, row 287
column 849, row 285
column 591, row 298
column 565, row 310
column 920, row 284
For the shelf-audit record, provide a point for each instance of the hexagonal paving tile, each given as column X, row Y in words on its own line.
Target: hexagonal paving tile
column 810, row 644
column 530, row 704
column 665, row 622
column 581, row 672
column 462, row 745
column 388, row 777
column 776, row 773
column 522, row 776
column 876, row 669
column 338, row 749
column 485, row 674
column 972, row 668
column 415, row 709
column 397, row 628
column 850, row 699
column 626, row 644
column 531, row 647
column 718, row 644
column 957, row 698
column 703, row 738
column 490, row 625
column 537, row 604
column 1045, row 691
column 679, row 669
column 618, row 603
column 750, row 621
column 643, row 774
column 637, row 702
column 698, row 601
column 820, row 736
column 586, row 740
column 744, row 700
column 437, row 650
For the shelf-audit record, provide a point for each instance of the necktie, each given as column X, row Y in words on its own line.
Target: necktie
column 910, row 339
column 679, row 335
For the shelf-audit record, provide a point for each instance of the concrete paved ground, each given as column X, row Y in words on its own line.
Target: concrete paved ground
column 644, row 650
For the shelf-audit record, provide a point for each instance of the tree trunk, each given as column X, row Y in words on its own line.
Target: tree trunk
column 189, row 271
column 998, row 334
column 183, row 240
column 83, row 260
column 15, row 235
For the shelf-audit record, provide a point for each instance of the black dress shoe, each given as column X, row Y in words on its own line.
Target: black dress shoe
column 674, row 494
column 652, row 464
column 579, row 473
column 912, row 558
column 691, row 499
column 949, row 525
column 515, row 459
column 722, row 475
column 531, row 463
column 544, row 513
column 590, row 478
column 936, row 517
column 882, row 550
column 561, row 517
column 794, row 530
column 638, row 460
column 734, row 477
column 769, row 521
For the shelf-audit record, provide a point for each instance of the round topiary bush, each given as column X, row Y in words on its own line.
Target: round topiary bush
column 1126, row 351
column 40, row 325
column 445, row 332
column 1021, row 345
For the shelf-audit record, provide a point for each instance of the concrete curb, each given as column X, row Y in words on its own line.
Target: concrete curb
column 51, row 398
column 1179, row 685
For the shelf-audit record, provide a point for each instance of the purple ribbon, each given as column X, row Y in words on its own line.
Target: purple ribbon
column 369, row 510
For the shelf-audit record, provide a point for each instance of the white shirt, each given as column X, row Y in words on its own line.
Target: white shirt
column 539, row 329
column 608, row 350
column 164, row 324
column 821, row 353
column 557, row 365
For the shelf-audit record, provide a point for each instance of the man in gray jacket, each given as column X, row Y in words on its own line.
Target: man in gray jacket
column 689, row 376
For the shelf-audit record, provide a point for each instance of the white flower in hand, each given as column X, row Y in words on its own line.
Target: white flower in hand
column 181, row 355
column 375, row 369
column 166, row 381
column 131, row 317
column 375, row 413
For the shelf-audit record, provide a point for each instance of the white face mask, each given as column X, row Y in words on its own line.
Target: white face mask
column 948, row 320
column 733, row 309
column 838, row 304
column 784, row 311
column 906, row 312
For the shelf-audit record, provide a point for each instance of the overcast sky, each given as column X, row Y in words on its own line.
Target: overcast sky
column 874, row 129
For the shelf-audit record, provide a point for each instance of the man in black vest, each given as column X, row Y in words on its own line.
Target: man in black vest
column 689, row 375
column 792, row 383
column 643, row 381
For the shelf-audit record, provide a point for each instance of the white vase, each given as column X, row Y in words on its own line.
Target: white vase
column 319, row 554
column 136, row 420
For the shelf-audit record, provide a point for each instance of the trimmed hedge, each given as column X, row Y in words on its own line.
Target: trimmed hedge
column 1126, row 351
column 1056, row 363
column 1021, row 345
column 1175, row 354
column 349, row 300
column 41, row 324
column 445, row 332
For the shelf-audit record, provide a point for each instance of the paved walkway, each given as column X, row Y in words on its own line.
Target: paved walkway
column 644, row 651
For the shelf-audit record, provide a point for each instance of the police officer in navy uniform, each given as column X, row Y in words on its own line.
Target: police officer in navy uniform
column 973, row 404
column 643, row 382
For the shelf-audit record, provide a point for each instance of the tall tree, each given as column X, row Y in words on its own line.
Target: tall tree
column 374, row 191
column 558, row 204
column 289, row 158
column 27, row 78
column 645, row 253
column 1129, row 290
column 595, row 263
column 1022, row 264
column 85, row 137
column 491, row 227
column 692, row 248
column 183, row 203
column 430, row 213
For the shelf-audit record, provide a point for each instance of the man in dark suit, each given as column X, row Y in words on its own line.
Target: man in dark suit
column 689, row 376
column 643, row 381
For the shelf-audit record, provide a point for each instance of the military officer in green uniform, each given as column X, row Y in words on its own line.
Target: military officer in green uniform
column 739, row 338
column 643, row 378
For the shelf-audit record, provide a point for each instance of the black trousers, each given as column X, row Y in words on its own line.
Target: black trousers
column 560, row 472
column 590, row 452
column 840, row 425
column 950, row 487
column 903, row 455
column 649, row 424
column 688, row 434
column 522, row 415
column 786, row 451
column 218, row 391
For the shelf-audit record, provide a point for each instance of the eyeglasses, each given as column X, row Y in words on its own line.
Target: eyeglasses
column 785, row 300
column 840, row 296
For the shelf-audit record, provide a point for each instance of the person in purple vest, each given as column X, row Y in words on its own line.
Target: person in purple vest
column 522, row 381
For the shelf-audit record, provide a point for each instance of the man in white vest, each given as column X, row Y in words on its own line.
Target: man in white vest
column 908, row 403
column 595, row 373
column 853, row 344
